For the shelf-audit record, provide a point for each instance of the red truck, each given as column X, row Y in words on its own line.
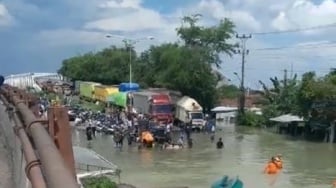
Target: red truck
column 157, row 105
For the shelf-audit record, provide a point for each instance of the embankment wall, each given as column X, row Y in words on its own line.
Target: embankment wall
column 16, row 161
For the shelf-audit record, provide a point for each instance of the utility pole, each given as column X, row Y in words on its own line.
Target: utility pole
column 291, row 70
column 285, row 77
column 243, row 51
column 129, row 45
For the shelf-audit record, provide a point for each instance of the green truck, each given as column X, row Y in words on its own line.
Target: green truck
column 118, row 99
column 86, row 90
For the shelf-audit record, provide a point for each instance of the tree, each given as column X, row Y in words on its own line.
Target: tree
column 323, row 91
column 281, row 97
column 185, row 67
column 306, row 93
column 211, row 41
column 109, row 66
column 179, row 68
column 228, row 91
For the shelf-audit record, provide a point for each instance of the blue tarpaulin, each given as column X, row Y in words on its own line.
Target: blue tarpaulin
column 124, row 87
column 227, row 182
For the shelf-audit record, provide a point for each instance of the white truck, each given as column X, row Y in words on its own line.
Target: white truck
column 189, row 110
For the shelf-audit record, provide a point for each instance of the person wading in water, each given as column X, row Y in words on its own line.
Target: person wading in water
column 88, row 133
column 220, row 144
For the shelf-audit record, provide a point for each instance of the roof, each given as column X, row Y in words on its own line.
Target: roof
column 84, row 156
column 148, row 93
column 224, row 109
column 287, row 118
column 187, row 103
column 251, row 100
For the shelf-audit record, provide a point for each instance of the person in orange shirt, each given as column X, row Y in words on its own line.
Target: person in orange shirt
column 147, row 139
column 278, row 161
column 334, row 184
column 271, row 167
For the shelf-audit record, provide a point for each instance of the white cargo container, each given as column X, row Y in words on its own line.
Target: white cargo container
column 189, row 110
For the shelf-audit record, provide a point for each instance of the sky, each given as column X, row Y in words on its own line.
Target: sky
column 36, row 35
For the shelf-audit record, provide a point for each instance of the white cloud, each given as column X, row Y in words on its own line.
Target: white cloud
column 215, row 9
column 5, row 18
column 140, row 19
column 132, row 17
column 136, row 21
column 304, row 13
column 121, row 4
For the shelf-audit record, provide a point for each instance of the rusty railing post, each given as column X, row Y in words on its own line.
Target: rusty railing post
column 60, row 131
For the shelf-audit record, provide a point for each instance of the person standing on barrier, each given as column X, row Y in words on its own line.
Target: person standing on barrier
column 10, row 110
column 2, row 80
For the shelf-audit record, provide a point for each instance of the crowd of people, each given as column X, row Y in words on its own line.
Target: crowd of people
column 138, row 128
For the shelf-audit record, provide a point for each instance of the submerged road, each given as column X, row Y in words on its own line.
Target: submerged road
column 6, row 175
column 306, row 164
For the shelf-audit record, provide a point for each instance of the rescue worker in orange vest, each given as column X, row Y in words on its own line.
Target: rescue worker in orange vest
column 272, row 167
column 147, row 139
column 278, row 161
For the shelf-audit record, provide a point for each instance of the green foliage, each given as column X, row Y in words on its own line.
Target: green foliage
column 281, row 97
column 185, row 67
column 98, row 182
column 109, row 66
column 228, row 91
column 306, row 93
column 179, row 68
column 209, row 40
column 315, row 89
column 270, row 111
column 297, row 97
column 250, row 119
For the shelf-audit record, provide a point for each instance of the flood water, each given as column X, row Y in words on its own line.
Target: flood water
column 306, row 164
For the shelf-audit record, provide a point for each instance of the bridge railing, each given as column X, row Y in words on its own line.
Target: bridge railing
column 53, row 164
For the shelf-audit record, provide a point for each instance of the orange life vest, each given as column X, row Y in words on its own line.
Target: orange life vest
column 271, row 168
column 147, row 137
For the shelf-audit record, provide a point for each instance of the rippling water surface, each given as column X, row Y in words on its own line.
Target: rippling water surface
column 306, row 164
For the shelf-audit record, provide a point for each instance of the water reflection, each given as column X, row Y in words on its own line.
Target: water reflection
column 306, row 164
column 146, row 157
column 89, row 144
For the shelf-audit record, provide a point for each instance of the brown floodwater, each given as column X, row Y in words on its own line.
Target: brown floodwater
column 306, row 164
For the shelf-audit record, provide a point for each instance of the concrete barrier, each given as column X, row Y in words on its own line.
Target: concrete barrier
column 16, row 162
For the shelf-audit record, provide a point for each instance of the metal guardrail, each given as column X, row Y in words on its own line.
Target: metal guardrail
column 55, row 166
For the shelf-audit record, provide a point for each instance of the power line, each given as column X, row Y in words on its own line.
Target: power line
column 304, row 46
column 331, row 25
column 281, row 70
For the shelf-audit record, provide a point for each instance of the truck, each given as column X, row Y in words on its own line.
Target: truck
column 86, row 90
column 101, row 92
column 157, row 105
column 76, row 86
column 174, row 95
column 188, row 110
